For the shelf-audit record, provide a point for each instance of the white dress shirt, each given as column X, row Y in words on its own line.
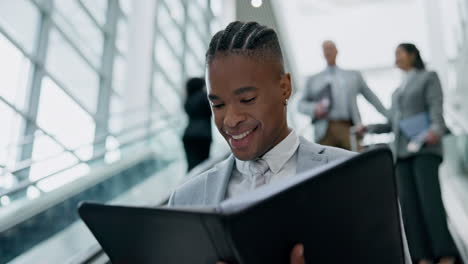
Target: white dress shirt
column 406, row 76
column 340, row 109
column 281, row 161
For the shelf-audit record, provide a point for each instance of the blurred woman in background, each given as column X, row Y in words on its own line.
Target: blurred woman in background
column 416, row 119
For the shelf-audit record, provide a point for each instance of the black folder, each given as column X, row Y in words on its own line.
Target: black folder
column 343, row 212
column 325, row 93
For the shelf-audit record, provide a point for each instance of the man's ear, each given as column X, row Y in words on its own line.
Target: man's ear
column 285, row 85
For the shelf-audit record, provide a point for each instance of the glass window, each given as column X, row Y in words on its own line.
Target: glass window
column 202, row 4
column 50, row 164
column 70, row 69
column 15, row 70
column 196, row 16
column 71, row 18
column 122, row 35
column 170, row 30
column 20, row 19
column 166, row 96
column 195, row 43
column 193, row 67
column 126, row 6
column 97, row 8
column 176, row 10
column 119, row 74
column 9, row 135
column 116, row 110
column 167, row 61
column 64, row 119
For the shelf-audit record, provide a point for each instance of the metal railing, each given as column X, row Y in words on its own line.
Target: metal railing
column 144, row 127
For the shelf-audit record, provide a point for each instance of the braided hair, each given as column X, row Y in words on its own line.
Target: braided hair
column 248, row 39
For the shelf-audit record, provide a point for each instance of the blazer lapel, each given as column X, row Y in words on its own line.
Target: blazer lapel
column 217, row 181
column 309, row 156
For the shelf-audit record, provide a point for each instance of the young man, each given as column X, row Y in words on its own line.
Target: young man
column 249, row 91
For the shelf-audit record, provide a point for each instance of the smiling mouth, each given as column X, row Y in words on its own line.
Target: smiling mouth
column 243, row 135
column 240, row 140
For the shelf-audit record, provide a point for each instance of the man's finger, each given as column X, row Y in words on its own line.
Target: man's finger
column 297, row 254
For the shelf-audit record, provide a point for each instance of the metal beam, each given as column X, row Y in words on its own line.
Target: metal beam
column 105, row 81
column 184, row 43
column 34, row 86
column 30, row 120
column 36, row 62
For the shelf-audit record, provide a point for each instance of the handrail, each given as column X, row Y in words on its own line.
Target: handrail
column 458, row 120
column 24, row 164
column 25, row 140
column 26, row 183
column 30, row 138
column 33, row 122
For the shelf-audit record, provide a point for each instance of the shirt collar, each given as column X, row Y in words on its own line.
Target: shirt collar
column 332, row 68
column 276, row 157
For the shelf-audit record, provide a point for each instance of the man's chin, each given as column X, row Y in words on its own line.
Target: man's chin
column 244, row 155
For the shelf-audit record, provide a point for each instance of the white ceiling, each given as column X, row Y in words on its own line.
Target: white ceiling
column 366, row 31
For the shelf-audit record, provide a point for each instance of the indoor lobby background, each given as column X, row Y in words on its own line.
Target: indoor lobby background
column 92, row 95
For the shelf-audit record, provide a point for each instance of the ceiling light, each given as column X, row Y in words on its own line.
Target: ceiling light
column 256, row 3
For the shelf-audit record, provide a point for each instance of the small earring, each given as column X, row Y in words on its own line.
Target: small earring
column 286, row 102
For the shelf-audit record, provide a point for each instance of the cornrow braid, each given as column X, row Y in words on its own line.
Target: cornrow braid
column 245, row 38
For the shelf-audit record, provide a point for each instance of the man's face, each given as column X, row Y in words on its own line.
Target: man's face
column 329, row 52
column 248, row 103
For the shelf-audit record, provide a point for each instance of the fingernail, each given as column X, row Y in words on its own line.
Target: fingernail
column 301, row 250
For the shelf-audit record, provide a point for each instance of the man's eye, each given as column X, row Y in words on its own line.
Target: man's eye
column 217, row 106
column 248, row 100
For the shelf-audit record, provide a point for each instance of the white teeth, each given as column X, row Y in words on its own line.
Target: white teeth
column 241, row 136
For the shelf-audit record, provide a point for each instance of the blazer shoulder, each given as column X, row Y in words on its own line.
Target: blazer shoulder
column 313, row 77
column 334, row 153
column 331, row 153
column 432, row 75
column 192, row 191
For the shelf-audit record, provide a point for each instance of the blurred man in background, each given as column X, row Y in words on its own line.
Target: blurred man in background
column 330, row 100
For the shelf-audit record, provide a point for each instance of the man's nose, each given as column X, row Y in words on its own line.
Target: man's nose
column 233, row 117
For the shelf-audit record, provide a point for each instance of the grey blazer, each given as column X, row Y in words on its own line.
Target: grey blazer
column 422, row 93
column 354, row 83
column 210, row 187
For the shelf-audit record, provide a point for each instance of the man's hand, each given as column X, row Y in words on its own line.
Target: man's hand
column 297, row 255
column 361, row 130
column 320, row 111
column 432, row 138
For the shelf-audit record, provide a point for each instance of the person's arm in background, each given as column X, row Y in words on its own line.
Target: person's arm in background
column 309, row 105
column 434, row 99
column 371, row 97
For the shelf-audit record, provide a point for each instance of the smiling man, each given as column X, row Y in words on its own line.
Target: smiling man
column 249, row 91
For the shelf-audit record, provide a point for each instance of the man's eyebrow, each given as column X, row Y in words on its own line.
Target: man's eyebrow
column 245, row 89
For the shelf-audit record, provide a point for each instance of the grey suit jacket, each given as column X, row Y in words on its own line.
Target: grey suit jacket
column 422, row 93
column 210, row 187
column 355, row 85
